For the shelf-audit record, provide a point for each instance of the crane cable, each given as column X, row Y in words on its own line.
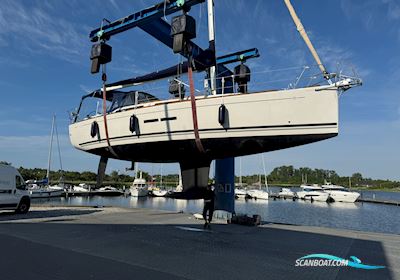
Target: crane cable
column 194, row 110
column 104, row 79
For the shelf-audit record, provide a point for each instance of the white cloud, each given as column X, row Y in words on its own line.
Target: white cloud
column 37, row 31
column 369, row 12
column 85, row 89
column 114, row 4
column 393, row 8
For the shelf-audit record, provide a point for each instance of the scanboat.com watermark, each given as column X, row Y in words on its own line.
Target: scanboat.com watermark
column 323, row 260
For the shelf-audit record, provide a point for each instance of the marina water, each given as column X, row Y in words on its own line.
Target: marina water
column 355, row 216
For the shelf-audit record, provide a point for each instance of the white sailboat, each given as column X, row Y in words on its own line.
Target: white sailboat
column 81, row 188
column 226, row 119
column 260, row 193
column 287, row 193
column 177, row 192
column 38, row 191
column 160, row 191
column 240, row 191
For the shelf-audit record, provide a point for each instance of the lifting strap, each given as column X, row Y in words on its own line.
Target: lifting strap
column 194, row 111
column 104, row 78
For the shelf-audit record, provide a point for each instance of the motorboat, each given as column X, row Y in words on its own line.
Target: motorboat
column 139, row 187
column 258, row 194
column 159, row 192
column 81, row 188
column 313, row 193
column 240, row 193
column 108, row 191
column 287, row 193
column 340, row 193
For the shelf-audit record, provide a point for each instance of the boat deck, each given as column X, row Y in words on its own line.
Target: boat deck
column 114, row 243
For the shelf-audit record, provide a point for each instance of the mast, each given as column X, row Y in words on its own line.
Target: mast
column 307, row 40
column 136, row 169
column 50, row 149
column 211, row 39
column 161, row 174
column 265, row 173
column 240, row 172
column 59, row 153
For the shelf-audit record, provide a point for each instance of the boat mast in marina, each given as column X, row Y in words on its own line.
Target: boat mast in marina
column 265, row 173
column 40, row 191
column 53, row 129
column 50, row 149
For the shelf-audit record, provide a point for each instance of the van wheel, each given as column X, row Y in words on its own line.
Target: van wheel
column 23, row 206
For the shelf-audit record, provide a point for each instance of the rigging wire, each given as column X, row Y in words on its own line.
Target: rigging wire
column 165, row 10
column 50, row 150
column 58, row 147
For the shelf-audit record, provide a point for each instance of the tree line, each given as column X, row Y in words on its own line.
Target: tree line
column 288, row 175
column 283, row 175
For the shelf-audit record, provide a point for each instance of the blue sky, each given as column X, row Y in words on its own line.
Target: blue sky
column 44, row 58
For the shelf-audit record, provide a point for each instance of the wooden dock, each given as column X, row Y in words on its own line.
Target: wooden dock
column 274, row 196
column 379, row 201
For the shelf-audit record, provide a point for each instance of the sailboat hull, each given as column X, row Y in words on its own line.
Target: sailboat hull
column 254, row 123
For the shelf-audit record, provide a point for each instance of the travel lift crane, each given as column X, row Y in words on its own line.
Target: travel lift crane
column 177, row 37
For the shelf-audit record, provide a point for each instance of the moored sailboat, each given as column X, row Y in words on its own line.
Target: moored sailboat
column 44, row 189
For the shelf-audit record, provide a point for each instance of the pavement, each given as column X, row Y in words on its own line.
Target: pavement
column 115, row 243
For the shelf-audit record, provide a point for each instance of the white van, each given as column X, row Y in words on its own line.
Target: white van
column 13, row 191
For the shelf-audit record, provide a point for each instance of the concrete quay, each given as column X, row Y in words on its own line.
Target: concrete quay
column 115, row 243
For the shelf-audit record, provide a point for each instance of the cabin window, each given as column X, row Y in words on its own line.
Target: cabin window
column 122, row 99
column 19, row 183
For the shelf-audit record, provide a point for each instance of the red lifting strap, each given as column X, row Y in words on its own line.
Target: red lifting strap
column 105, row 116
column 194, row 112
